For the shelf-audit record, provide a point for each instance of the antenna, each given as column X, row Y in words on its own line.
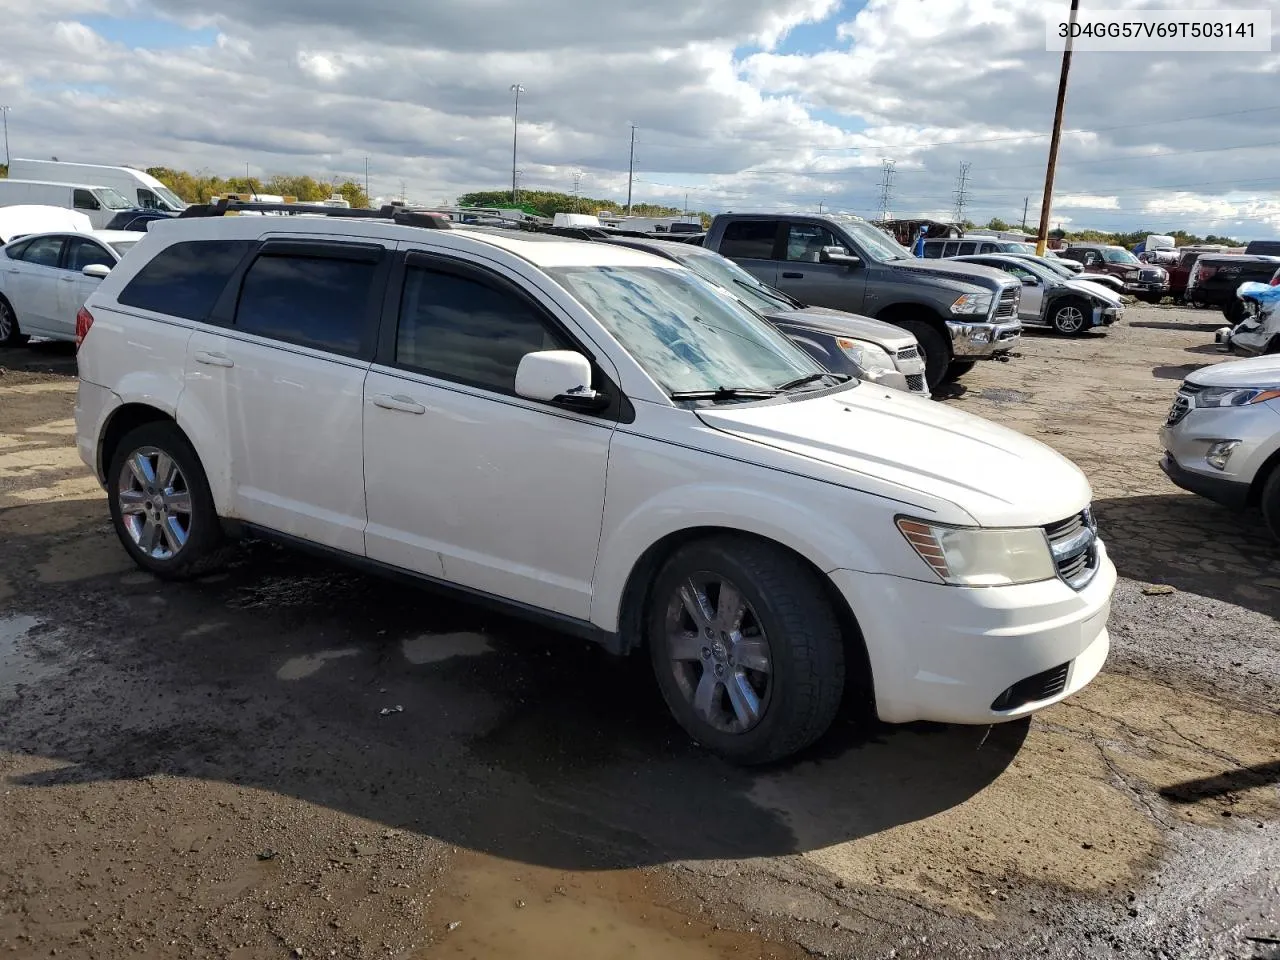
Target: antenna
column 962, row 196
column 886, row 188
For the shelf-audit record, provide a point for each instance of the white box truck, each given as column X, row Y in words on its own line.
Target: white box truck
column 96, row 202
column 138, row 187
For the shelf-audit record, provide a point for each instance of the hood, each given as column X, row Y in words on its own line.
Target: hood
column 1094, row 289
column 1254, row 372
column 837, row 323
column 988, row 277
column 996, row 475
column 26, row 218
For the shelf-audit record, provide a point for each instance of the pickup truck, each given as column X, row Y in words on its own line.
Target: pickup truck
column 1216, row 277
column 960, row 313
column 1145, row 281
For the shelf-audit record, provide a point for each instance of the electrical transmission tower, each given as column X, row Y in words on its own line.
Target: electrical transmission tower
column 886, row 188
column 577, row 187
column 962, row 195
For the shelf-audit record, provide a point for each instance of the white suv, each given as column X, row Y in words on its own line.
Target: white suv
column 595, row 437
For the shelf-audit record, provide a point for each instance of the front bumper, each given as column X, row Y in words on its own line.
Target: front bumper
column 1150, row 287
column 953, row 654
column 983, row 340
column 1224, row 490
column 1187, row 440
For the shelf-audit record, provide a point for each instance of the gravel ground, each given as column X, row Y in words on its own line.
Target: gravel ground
column 207, row 769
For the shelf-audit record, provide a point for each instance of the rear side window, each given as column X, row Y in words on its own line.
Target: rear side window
column 42, row 251
column 185, row 280
column 318, row 302
column 458, row 328
column 1266, row 248
column 749, row 239
column 951, row 249
column 932, row 249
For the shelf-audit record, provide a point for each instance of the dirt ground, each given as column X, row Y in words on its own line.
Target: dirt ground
column 293, row 760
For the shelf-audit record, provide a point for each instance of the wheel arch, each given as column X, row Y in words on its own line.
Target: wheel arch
column 131, row 415
column 1269, row 466
column 914, row 310
column 639, row 585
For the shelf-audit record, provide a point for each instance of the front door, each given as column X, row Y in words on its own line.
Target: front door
column 282, row 384
column 802, row 274
column 464, row 479
column 73, row 286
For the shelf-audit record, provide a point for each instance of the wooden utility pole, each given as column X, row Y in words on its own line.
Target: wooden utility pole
column 1043, row 236
column 1026, row 203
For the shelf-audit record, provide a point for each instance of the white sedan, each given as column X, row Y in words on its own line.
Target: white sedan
column 45, row 279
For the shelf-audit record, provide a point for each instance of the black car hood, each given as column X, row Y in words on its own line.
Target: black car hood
column 837, row 323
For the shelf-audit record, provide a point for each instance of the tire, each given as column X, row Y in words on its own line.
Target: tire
column 785, row 626
column 1234, row 312
column 1270, row 502
column 170, row 529
column 958, row 368
column 1071, row 317
column 11, row 334
column 934, row 346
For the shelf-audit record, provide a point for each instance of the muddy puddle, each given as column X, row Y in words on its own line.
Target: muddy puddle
column 499, row 909
column 21, row 661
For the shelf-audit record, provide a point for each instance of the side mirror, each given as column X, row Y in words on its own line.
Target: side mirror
column 838, row 255
column 96, row 270
column 558, row 376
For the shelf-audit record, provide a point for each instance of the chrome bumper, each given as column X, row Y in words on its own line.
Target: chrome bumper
column 982, row 340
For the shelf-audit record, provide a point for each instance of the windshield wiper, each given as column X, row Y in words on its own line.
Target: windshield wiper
column 725, row 393
column 766, row 291
column 813, row 378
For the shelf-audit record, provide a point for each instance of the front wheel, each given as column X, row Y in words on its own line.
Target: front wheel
column 11, row 334
column 161, row 506
column 1271, row 502
column 746, row 648
column 1069, row 317
column 958, row 368
column 1234, row 312
column 934, row 346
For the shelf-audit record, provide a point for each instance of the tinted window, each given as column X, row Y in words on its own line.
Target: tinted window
column 806, row 240
column 457, row 328
column 1267, row 248
column 951, row 249
column 43, row 251
column 84, row 200
column 184, row 280
column 932, row 249
column 749, row 239
column 312, row 301
column 81, row 253
column 988, row 248
column 15, row 252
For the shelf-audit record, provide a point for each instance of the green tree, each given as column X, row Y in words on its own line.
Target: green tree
column 995, row 223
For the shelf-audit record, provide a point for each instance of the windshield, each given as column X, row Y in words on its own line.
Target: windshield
column 121, row 246
column 737, row 281
column 1115, row 255
column 687, row 333
column 169, row 197
column 112, row 200
column 874, row 241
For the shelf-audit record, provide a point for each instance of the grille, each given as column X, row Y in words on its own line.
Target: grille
column 915, row 382
column 1041, row 686
column 1008, row 305
column 909, row 353
column 1073, row 543
column 1149, row 275
column 1182, row 404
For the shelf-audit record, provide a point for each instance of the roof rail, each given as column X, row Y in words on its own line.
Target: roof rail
column 396, row 213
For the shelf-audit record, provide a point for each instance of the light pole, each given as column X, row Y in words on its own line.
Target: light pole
column 517, row 89
column 5, row 110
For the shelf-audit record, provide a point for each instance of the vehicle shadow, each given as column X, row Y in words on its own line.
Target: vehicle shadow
column 40, row 356
column 293, row 675
column 1194, row 545
column 1173, row 325
column 1176, row 371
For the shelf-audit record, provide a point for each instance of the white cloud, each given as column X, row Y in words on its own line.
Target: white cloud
column 1087, row 201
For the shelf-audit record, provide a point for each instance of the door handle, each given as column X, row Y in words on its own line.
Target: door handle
column 214, row 359
column 68, row 279
column 400, row 404
column 793, row 276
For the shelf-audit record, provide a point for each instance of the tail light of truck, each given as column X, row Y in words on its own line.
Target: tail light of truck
column 1275, row 281
column 84, row 320
column 1204, row 273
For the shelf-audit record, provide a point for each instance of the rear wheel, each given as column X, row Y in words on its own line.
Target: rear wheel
column 934, row 346
column 1234, row 311
column 11, row 334
column 1070, row 317
column 746, row 648
column 161, row 506
column 1271, row 502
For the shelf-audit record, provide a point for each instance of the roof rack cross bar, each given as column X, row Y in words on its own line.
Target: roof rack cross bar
column 396, row 213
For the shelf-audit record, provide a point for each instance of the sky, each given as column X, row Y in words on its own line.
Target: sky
column 736, row 104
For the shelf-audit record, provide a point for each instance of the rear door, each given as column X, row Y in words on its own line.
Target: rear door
column 837, row 286
column 280, row 373
column 753, row 245
column 31, row 284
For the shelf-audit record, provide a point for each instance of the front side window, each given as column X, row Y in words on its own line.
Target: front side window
column 185, row 280
column 463, row 329
column 686, row 333
column 874, row 241
column 148, row 200
column 81, row 253
column 806, row 240
column 749, row 239
column 43, row 251
column 317, row 302
column 84, row 200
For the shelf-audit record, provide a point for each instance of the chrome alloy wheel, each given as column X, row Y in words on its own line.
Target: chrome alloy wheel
column 1069, row 319
column 719, row 653
column 155, row 503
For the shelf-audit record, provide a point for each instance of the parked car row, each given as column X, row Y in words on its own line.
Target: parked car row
column 633, row 455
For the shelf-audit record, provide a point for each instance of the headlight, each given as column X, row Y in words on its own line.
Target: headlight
column 972, row 303
column 1235, row 396
column 977, row 557
column 869, row 357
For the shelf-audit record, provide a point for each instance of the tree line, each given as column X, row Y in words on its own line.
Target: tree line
column 1128, row 240
column 547, row 203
